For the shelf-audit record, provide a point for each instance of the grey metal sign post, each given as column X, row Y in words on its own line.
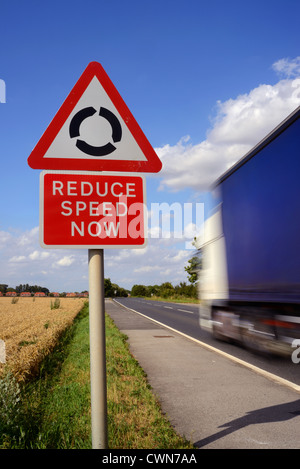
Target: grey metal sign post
column 97, row 349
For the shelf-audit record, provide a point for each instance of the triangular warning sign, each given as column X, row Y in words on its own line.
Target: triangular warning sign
column 94, row 131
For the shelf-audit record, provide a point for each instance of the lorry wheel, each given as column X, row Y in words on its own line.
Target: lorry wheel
column 218, row 325
column 252, row 342
column 249, row 342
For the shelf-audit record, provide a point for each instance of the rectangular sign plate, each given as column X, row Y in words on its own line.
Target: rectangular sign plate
column 92, row 210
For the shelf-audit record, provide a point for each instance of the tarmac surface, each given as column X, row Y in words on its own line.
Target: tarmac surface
column 210, row 399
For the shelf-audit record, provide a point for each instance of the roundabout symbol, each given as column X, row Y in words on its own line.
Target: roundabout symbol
column 86, row 147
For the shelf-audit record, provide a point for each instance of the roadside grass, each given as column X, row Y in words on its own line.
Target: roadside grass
column 174, row 299
column 53, row 411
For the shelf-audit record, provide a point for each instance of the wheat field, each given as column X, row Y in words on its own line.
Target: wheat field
column 30, row 329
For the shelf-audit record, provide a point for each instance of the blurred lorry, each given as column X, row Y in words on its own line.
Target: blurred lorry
column 250, row 277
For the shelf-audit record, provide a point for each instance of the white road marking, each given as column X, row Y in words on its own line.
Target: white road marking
column 254, row 368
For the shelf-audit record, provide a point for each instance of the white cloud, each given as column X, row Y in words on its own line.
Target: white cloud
column 287, row 67
column 147, row 268
column 17, row 259
column 4, row 238
column 180, row 256
column 38, row 255
column 239, row 125
column 26, row 238
column 65, row 261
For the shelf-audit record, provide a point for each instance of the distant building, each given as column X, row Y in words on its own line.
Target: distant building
column 71, row 295
column 25, row 293
column 54, row 294
column 83, row 294
column 11, row 293
column 40, row 293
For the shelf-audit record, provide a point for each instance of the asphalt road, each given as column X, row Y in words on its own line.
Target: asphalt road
column 214, row 400
column 185, row 319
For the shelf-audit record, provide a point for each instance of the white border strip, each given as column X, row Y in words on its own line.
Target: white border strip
column 266, row 374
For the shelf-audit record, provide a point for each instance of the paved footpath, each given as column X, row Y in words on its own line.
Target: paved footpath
column 208, row 398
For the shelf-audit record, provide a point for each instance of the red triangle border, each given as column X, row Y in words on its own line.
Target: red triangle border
column 36, row 159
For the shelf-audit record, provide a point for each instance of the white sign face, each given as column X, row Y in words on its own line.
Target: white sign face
column 100, row 126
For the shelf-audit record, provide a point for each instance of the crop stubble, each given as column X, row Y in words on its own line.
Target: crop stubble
column 30, row 330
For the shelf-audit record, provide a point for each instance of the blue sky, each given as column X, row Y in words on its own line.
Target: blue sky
column 204, row 80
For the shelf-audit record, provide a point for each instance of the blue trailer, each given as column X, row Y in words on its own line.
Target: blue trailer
column 250, row 281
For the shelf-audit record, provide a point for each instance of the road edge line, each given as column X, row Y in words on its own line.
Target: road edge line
column 253, row 368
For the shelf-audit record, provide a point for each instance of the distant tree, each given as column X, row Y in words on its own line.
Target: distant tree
column 108, row 288
column 166, row 289
column 3, row 288
column 31, row 288
column 192, row 269
column 139, row 290
column 112, row 289
column 153, row 290
column 119, row 291
column 194, row 264
column 189, row 291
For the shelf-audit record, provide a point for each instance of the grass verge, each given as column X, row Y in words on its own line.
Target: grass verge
column 53, row 411
column 174, row 299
